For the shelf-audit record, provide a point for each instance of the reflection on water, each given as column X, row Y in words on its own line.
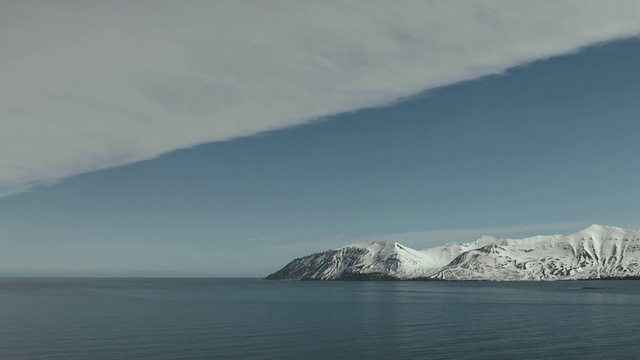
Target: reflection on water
column 247, row 318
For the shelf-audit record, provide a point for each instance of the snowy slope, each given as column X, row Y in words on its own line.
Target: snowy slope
column 374, row 260
column 595, row 252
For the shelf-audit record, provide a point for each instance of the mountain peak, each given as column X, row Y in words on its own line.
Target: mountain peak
column 598, row 251
column 597, row 229
column 372, row 245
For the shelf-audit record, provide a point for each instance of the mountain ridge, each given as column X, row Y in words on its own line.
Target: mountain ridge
column 598, row 251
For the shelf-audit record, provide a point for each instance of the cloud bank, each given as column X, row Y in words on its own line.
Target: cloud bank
column 91, row 85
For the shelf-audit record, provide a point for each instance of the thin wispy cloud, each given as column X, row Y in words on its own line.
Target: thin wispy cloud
column 91, row 85
column 430, row 238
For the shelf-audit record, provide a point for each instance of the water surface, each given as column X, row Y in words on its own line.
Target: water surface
column 256, row 319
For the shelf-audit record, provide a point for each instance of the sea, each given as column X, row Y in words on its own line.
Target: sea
column 209, row 318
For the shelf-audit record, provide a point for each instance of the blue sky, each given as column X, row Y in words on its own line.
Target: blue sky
column 546, row 146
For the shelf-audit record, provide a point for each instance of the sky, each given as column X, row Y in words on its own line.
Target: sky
column 227, row 138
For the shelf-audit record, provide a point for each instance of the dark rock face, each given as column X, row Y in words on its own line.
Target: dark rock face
column 318, row 266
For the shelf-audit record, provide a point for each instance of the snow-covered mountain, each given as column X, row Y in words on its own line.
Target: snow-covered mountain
column 596, row 252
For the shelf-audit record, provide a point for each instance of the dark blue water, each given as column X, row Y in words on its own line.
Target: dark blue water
column 255, row 319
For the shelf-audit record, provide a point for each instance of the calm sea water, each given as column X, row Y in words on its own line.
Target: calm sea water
column 256, row 319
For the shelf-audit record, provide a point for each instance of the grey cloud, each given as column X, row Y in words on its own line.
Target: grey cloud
column 90, row 85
